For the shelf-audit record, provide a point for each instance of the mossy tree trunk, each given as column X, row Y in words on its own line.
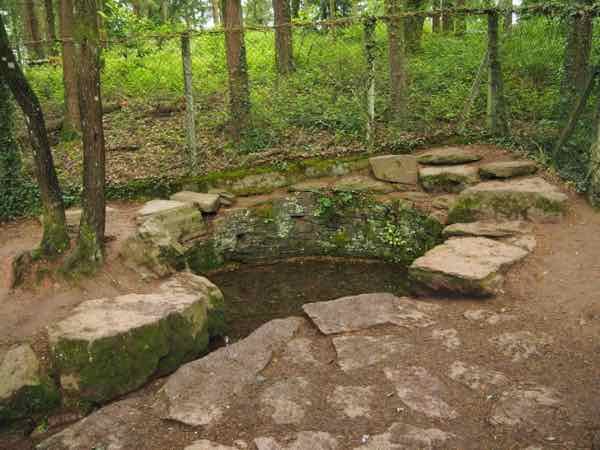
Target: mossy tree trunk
column 576, row 64
column 55, row 238
column 239, row 92
column 72, row 120
column 32, row 30
column 89, row 251
column 283, row 37
column 496, row 107
column 397, row 57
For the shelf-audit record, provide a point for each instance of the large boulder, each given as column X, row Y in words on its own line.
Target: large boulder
column 471, row 265
column 208, row 203
column 110, row 346
column 531, row 199
column 447, row 178
column 395, row 168
column 24, row 388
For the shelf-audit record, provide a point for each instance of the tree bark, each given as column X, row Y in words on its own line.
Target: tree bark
column 32, row 30
column 50, row 25
column 72, row 121
column 283, row 37
column 239, row 93
column 576, row 65
column 397, row 57
column 55, row 238
column 496, row 108
column 89, row 252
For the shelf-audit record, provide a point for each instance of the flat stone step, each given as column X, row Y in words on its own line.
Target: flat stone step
column 158, row 207
column 488, row 229
column 532, row 199
column 448, row 156
column 208, row 203
column 507, row 169
column 448, row 178
column 110, row 346
column 471, row 265
column 395, row 168
column 360, row 183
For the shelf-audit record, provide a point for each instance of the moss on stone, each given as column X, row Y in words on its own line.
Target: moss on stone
column 446, row 182
column 31, row 400
column 202, row 257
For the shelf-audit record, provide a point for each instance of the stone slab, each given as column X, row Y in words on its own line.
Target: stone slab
column 490, row 317
column 356, row 352
column 204, row 444
column 448, row 156
column 421, row 392
column 401, row 436
column 448, row 337
column 521, row 345
column 208, row 203
column 488, row 229
column 471, row 265
column 395, row 168
column 195, row 396
column 475, row 377
column 158, row 207
column 507, row 169
column 353, row 401
column 110, row 346
column 365, row 311
column 361, row 183
column 448, row 178
column 304, row 440
column 287, row 401
column 533, row 406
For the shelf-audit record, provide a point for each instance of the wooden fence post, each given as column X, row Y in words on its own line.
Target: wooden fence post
column 496, row 108
column 190, row 117
column 370, row 49
column 475, row 89
column 397, row 57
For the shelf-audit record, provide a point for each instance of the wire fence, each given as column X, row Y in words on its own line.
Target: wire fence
column 341, row 88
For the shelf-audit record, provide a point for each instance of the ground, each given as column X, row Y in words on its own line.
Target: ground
column 550, row 305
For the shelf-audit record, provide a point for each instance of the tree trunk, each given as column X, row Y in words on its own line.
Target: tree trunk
column 239, row 94
column 89, row 252
column 283, row 37
column 55, row 239
column 397, row 56
column 32, row 30
column 435, row 24
column 413, row 27
column 496, row 108
column 216, row 14
column 50, row 25
column 460, row 26
column 72, row 122
column 576, row 65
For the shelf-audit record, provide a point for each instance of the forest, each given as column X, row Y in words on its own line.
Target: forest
column 193, row 87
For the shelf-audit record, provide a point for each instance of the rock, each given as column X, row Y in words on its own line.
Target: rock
column 304, row 440
column 490, row 317
column 200, row 392
column 526, row 242
column 310, row 186
column 299, row 352
column 24, row 389
column 355, row 352
column 421, row 391
column 507, row 169
column 488, row 229
column 365, row 311
column 401, row 436
column 109, row 428
column 536, row 406
column 210, row 445
column 259, row 183
column 110, row 346
column 521, row 345
column 226, row 198
column 475, row 377
column 159, row 243
column 400, row 169
column 447, row 178
column 208, row 203
column 448, row 156
column 360, row 183
column 466, row 265
column 354, row 401
column 449, row 338
column 531, row 199
column 444, row 202
column 287, row 401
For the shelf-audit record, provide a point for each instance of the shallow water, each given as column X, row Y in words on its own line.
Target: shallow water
column 256, row 294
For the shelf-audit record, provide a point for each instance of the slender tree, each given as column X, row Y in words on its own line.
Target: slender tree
column 89, row 251
column 397, row 57
column 55, row 238
column 32, row 30
column 72, row 120
column 239, row 93
column 283, row 37
column 50, row 25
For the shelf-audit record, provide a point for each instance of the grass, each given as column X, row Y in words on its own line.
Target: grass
column 326, row 94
